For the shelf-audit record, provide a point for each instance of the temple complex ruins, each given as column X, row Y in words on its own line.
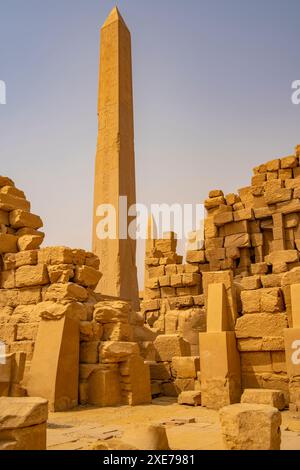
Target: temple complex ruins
column 217, row 328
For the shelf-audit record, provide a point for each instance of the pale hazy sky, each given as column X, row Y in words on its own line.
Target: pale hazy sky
column 212, row 89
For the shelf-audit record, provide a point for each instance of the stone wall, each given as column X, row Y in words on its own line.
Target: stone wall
column 50, row 312
column 255, row 235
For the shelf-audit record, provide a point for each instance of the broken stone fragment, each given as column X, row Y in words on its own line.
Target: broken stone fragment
column 191, row 398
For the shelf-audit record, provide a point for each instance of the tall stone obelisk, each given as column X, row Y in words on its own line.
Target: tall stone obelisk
column 115, row 161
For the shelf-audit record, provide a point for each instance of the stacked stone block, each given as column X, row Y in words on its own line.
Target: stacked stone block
column 257, row 230
column 173, row 369
column 19, row 229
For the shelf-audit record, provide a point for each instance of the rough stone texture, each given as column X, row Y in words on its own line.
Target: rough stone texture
column 23, row 423
column 274, row 398
column 250, row 427
column 192, row 398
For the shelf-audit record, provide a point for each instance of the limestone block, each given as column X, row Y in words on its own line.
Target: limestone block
column 251, row 282
column 159, row 370
column 55, row 311
column 8, row 243
column 30, row 242
column 192, row 398
column 274, row 398
column 104, row 388
column 273, row 165
column 60, row 273
column 183, row 385
column 27, row 276
column 153, row 293
column 185, row 367
column 153, row 437
column 9, row 297
column 26, row 331
column 195, row 256
column 7, row 280
column 168, row 346
column 165, row 246
column 22, row 412
column 137, row 374
column 271, row 300
column 87, row 276
column 69, row 291
column 215, row 193
column 223, row 218
column 256, row 325
column 29, row 438
column 90, row 331
column 286, row 256
column 265, row 343
column 258, row 361
column 156, row 271
column 9, row 203
column 214, row 202
column 237, row 241
column 191, row 279
column 5, row 181
column 271, row 280
column 89, row 352
column 251, row 427
column 25, row 258
column 117, row 351
column 259, row 268
column 48, row 377
column 56, row 255
column 289, row 162
column 220, row 369
column 150, row 305
column 152, row 283
column 113, row 311
column 117, row 332
column 20, row 219
column 91, row 260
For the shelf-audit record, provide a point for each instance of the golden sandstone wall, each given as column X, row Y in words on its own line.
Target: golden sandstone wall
column 255, row 234
column 79, row 346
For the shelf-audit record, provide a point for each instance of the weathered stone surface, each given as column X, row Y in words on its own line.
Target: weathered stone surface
column 258, row 324
column 192, row 398
column 8, row 243
column 113, row 351
column 19, row 219
column 274, row 398
column 22, row 412
column 112, row 311
column 251, row 427
column 27, row 276
column 169, row 346
column 87, row 276
column 69, row 291
column 186, row 367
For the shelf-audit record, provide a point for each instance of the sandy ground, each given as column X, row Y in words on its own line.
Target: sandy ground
column 83, row 427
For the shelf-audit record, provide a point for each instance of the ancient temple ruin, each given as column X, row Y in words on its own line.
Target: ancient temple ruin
column 217, row 327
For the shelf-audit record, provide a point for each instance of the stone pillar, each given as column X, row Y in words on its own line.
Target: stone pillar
column 219, row 357
column 54, row 372
column 115, row 161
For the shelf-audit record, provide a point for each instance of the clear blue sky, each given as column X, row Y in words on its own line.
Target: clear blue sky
column 212, row 87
